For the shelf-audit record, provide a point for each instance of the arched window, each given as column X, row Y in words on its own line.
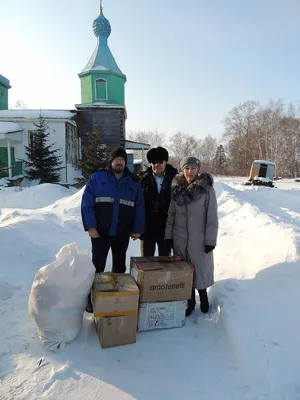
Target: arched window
column 101, row 89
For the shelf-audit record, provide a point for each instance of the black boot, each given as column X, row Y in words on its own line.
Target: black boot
column 204, row 305
column 191, row 304
column 89, row 306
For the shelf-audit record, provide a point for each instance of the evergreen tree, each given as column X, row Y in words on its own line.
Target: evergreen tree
column 42, row 162
column 220, row 161
column 94, row 156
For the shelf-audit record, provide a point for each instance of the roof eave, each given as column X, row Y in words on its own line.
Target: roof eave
column 102, row 72
column 4, row 82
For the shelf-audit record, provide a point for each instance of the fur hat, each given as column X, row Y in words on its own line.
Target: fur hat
column 157, row 154
column 190, row 160
column 118, row 152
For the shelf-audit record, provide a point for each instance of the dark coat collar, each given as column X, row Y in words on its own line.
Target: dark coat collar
column 184, row 193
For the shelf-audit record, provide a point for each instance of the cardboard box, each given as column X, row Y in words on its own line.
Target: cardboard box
column 162, row 278
column 161, row 315
column 114, row 295
column 116, row 331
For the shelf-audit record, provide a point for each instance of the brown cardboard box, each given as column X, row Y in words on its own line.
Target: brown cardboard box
column 114, row 295
column 116, row 331
column 162, row 278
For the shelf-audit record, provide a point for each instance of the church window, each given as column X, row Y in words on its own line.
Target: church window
column 101, row 89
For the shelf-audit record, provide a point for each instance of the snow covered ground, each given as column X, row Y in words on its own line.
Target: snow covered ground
column 247, row 347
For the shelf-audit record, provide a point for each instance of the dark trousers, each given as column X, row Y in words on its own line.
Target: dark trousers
column 100, row 249
column 148, row 247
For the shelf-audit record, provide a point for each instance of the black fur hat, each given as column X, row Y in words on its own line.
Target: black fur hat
column 118, row 152
column 157, row 154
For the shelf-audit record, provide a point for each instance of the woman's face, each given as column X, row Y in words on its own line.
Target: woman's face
column 190, row 172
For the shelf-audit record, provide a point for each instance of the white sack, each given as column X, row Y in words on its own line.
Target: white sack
column 58, row 296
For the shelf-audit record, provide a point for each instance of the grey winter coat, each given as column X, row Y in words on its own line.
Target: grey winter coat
column 193, row 223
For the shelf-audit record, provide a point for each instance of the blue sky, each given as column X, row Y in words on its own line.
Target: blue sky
column 187, row 62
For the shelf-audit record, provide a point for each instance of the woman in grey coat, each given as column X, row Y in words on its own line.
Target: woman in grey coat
column 192, row 225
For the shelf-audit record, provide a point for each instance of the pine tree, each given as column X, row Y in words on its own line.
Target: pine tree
column 94, row 156
column 220, row 161
column 42, row 162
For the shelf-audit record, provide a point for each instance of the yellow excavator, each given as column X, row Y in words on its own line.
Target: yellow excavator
column 262, row 173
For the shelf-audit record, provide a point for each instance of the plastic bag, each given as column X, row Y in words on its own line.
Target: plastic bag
column 58, row 296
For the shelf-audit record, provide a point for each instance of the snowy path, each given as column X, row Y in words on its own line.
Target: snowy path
column 237, row 352
column 192, row 362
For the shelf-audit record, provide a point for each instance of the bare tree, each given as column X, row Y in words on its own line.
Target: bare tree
column 269, row 130
column 242, row 127
column 21, row 105
column 154, row 138
column 182, row 145
column 288, row 162
column 207, row 152
column 268, row 133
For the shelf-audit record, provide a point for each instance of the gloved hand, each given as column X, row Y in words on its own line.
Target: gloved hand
column 169, row 243
column 208, row 249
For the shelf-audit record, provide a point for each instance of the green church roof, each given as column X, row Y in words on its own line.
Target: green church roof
column 4, row 82
column 102, row 58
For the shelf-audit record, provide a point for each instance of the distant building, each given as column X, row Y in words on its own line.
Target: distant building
column 17, row 129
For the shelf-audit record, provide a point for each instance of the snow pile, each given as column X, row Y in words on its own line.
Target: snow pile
column 31, row 198
column 262, row 179
column 3, row 182
column 58, row 296
column 248, row 342
column 258, row 274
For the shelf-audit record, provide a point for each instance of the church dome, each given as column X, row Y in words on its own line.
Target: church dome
column 101, row 26
column 102, row 58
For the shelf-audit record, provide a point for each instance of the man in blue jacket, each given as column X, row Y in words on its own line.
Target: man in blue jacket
column 112, row 211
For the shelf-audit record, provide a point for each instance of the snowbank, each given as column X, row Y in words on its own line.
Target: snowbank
column 258, row 273
column 32, row 197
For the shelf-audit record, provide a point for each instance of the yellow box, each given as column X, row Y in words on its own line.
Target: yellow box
column 114, row 295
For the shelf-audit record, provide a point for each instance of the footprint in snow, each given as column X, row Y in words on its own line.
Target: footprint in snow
column 230, row 286
column 62, row 373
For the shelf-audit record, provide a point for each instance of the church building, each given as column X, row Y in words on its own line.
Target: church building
column 102, row 109
column 102, row 91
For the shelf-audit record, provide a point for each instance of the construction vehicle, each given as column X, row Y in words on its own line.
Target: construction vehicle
column 262, row 173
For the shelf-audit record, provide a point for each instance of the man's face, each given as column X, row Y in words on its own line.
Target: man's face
column 159, row 167
column 118, row 165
